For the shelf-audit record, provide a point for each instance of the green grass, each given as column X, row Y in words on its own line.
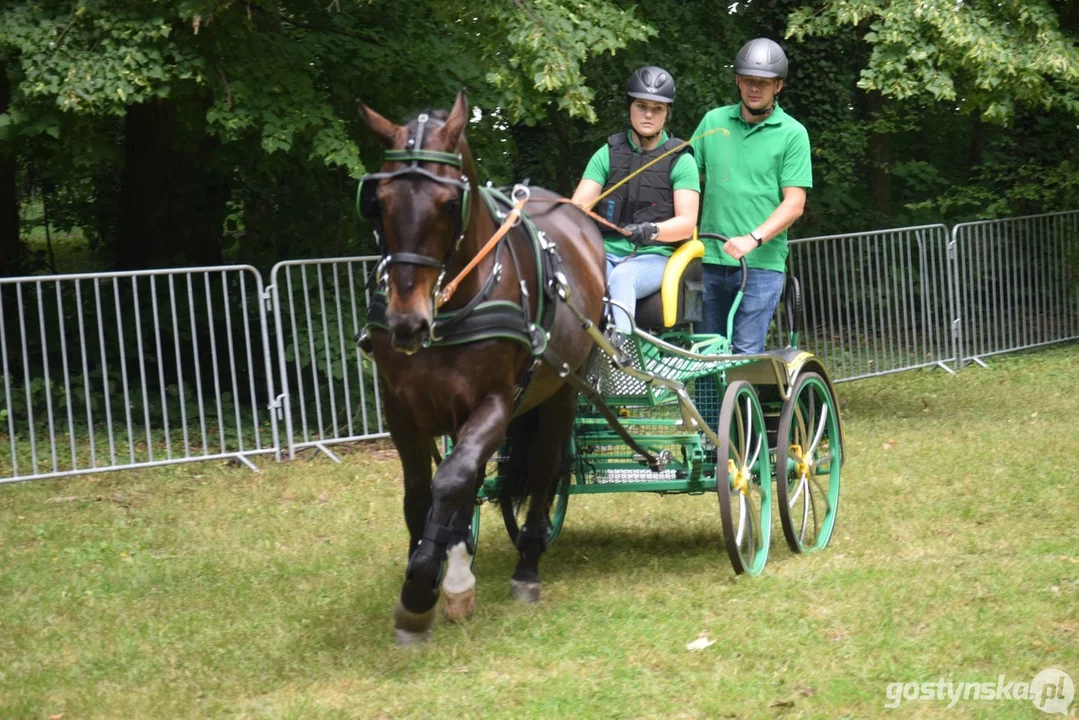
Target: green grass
column 210, row 591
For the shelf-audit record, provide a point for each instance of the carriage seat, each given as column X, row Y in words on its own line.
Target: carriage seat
column 680, row 299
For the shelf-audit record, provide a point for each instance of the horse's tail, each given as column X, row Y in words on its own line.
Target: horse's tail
column 513, row 463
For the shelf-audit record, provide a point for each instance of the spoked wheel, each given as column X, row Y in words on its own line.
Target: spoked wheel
column 474, row 531
column 808, row 458
column 745, row 494
column 515, row 511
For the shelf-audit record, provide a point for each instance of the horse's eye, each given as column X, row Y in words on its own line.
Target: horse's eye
column 452, row 208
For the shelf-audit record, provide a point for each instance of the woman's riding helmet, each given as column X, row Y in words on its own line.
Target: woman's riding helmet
column 651, row 83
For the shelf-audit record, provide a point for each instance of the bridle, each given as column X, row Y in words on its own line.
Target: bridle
column 368, row 207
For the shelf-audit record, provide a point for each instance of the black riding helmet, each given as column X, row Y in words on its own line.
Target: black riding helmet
column 651, row 83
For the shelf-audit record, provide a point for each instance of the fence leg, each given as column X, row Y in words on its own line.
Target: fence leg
column 247, row 462
column 329, row 454
column 941, row 364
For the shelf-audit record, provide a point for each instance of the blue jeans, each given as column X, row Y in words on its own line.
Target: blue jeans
column 627, row 280
column 763, row 289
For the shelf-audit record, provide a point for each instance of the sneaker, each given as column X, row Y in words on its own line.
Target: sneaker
column 623, row 345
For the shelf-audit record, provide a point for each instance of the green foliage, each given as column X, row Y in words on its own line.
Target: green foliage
column 981, row 55
column 549, row 40
column 267, row 93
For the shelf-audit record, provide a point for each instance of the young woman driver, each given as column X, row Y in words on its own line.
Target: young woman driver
column 658, row 206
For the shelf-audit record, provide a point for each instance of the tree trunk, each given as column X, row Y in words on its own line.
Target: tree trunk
column 11, row 248
column 879, row 151
column 171, row 205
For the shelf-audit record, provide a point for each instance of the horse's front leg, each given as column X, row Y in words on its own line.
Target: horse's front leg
column 414, row 450
column 446, row 532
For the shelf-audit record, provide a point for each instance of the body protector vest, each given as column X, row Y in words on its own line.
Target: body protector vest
column 649, row 195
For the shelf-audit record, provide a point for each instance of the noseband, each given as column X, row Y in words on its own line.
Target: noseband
column 414, row 153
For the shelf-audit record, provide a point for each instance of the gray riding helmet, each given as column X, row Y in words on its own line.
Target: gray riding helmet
column 761, row 58
column 651, row 83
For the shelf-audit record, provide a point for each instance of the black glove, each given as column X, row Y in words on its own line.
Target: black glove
column 640, row 233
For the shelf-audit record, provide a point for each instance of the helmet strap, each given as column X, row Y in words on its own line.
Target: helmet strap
column 762, row 113
column 643, row 140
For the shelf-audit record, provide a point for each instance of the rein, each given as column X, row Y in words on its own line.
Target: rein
column 520, row 196
column 603, row 221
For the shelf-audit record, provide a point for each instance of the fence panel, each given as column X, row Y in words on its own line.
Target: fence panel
column 1018, row 283
column 329, row 390
column 132, row 369
column 876, row 302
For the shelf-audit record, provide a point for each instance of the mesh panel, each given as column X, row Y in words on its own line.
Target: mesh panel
column 620, row 388
column 650, row 414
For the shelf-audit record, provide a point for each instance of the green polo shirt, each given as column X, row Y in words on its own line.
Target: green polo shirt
column 684, row 176
column 745, row 170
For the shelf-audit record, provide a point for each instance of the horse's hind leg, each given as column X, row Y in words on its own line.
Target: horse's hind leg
column 545, row 455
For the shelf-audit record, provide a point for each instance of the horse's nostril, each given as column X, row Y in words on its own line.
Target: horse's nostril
column 408, row 330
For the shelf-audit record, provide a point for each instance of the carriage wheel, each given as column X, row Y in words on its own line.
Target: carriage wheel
column 745, row 495
column 474, row 531
column 515, row 511
column 808, row 459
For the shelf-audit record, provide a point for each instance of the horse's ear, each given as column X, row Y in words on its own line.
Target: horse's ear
column 455, row 123
column 385, row 130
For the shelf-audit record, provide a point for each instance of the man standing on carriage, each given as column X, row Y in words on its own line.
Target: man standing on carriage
column 658, row 206
column 755, row 178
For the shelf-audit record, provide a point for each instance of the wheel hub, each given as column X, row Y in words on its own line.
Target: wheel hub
column 739, row 477
column 803, row 465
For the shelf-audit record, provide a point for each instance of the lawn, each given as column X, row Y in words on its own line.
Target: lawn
column 211, row 591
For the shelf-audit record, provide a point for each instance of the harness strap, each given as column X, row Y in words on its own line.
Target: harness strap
column 491, row 320
column 441, row 327
column 510, row 221
column 413, row 259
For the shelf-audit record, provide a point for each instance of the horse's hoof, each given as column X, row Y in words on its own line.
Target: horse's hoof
column 412, row 628
column 410, row 639
column 457, row 607
column 527, row 593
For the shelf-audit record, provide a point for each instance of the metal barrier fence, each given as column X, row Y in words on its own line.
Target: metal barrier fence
column 1018, row 283
column 329, row 391
column 133, row 369
column 877, row 302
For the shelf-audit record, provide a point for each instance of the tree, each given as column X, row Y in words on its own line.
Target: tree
column 221, row 103
column 948, row 86
column 10, row 244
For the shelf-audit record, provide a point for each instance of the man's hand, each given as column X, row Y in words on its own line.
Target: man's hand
column 640, row 233
column 740, row 246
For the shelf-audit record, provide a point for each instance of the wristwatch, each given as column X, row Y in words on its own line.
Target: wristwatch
column 753, row 234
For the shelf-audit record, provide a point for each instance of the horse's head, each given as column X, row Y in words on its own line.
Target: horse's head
column 420, row 200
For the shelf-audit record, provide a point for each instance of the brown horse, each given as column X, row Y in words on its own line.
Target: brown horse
column 432, row 221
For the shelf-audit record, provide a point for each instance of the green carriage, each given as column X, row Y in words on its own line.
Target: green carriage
column 767, row 423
